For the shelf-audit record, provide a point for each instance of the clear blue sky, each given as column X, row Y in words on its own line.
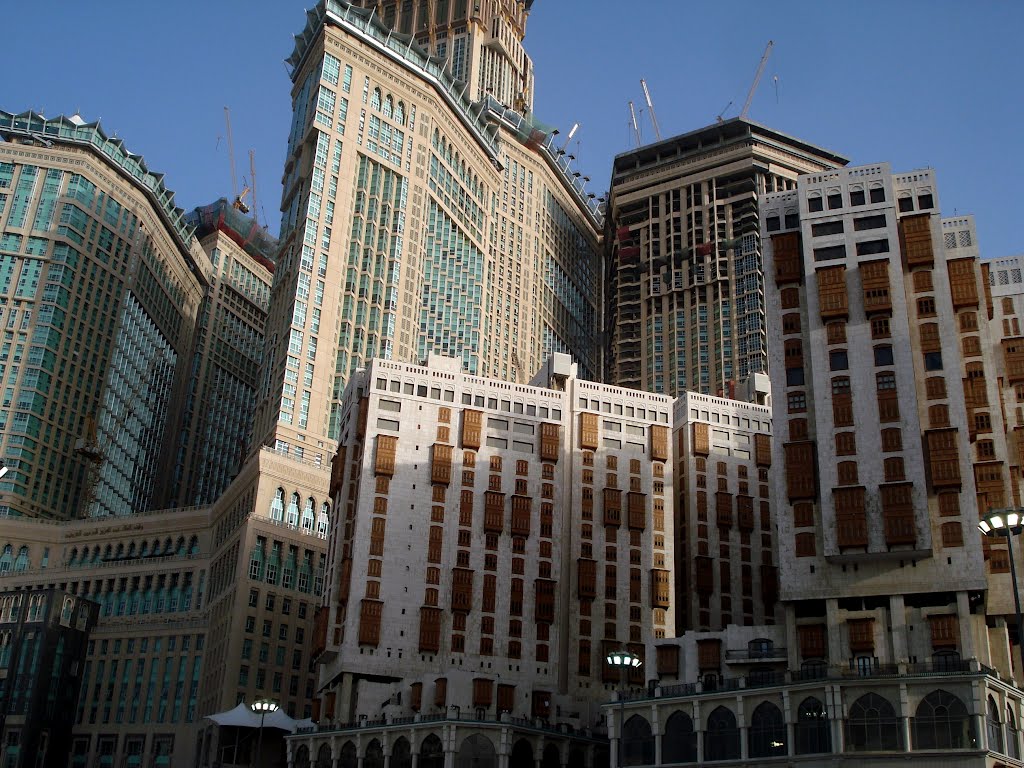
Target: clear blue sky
column 915, row 82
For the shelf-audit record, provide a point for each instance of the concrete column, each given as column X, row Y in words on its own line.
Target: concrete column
column 741, row 724
column 698, row 728
column 789, row 719
column 904, row 713
column 792, row 638
column 655, row 721
column 448, row 736
column 835, row 636
column 836, row 713
column 963, row 610
column 898, row 617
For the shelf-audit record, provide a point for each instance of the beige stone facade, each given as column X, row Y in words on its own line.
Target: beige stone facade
column 726, row 566
column 415, row 221
column 150, row 576
column 479, row 43
column 492, row 542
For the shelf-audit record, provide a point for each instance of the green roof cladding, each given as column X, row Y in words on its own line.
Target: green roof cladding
column 74, row 130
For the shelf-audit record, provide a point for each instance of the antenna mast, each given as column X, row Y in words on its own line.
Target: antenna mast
column 650, row 106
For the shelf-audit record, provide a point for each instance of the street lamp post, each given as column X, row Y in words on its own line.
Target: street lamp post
column 1008, row 523
column 625, row 661
column 262, row 707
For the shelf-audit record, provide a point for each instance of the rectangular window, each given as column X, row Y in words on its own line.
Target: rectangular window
column 830, row 252
column 869, row 222
column 827, row 228
column 868, row 247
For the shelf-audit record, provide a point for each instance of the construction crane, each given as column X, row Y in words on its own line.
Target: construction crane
column 239, row 199
column 88, row 449
column 650, row 107
column 252, row 183
column 757, row 79
column 632, row 118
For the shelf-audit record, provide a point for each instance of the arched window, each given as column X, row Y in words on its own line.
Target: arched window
column 993, row 727
column 277, row 505
column 349, row 757
column 302, row 756
column 73, row 556
column 431, row 752
column 477, row 751
column 323, row 522
column 722, row 737
column 941, row 722
column 389, row 106
column 179, row 548
column 21, row 563
column 1012, row 737
column 291, row 516
column 872, row 725
column 812, row 730
column 193, row 545
column 307, row 515
column 400, row 113
column 374, row 756
column 767, row 735
column 522, row 754
column 401, row 754
column 679, row 742
column 375, row 99
column 637, row 742
column 323, row 756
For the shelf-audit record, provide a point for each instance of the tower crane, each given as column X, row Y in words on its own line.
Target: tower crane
column 650, row 108
column 239, row 199
column 757, row 79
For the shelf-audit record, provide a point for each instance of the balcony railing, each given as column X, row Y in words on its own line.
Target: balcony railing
column 756, row 654
column 715, row 683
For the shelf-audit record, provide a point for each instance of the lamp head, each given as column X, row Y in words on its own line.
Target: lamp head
column 624, row 659
column 264, row 706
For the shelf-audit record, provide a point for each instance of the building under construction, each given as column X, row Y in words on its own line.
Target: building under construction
column 683, row 273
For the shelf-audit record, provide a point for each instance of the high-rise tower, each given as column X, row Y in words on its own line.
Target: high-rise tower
column 415, row 221
column 100, row 284
column 683, row 272
column 480, row 43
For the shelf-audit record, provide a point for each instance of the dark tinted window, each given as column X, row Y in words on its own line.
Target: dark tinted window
column 869, row 247
column 827, row 228
column 869, row 222
column 832, row 252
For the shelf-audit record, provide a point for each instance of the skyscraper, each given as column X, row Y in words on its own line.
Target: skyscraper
column 228, row 352
column 683, row 273
column 100, row 284
column 480, row 43
column 414, row 221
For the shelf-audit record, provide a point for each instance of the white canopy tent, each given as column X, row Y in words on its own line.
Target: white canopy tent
column 242, row 716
